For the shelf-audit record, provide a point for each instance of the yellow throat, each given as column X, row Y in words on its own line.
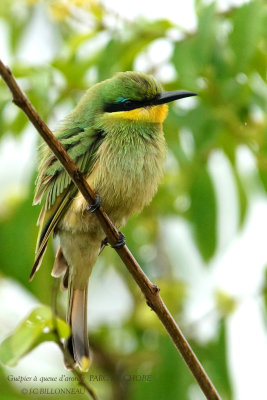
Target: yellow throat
column 155, row 114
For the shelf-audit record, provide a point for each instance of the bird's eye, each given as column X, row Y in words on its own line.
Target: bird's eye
column 122, row 104
column 127, row 104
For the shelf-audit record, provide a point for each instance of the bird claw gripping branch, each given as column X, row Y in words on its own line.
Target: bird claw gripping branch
column 120, row 242
column 96, row 205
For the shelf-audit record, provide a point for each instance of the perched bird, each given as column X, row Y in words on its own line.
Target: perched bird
column 115, row 136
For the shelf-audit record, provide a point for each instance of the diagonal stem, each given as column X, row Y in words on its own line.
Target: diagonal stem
column 150, row 291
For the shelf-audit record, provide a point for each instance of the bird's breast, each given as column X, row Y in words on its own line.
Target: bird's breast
column 126, row 175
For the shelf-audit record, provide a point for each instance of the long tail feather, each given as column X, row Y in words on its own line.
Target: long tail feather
column 77, row 346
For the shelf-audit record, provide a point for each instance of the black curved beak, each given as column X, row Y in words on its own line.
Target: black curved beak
column 167, row 97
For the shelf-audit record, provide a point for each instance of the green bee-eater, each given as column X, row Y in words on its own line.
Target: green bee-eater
column 115, row 137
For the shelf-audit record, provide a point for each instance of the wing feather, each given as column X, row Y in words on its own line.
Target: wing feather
column 54, row 185
column 48, row 225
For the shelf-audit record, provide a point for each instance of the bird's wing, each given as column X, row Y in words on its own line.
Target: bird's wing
column 54, row 184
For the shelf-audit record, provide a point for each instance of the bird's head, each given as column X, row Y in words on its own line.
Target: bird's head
column 133, row 96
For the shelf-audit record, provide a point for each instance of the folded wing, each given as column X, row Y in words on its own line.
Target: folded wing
column 54, row 186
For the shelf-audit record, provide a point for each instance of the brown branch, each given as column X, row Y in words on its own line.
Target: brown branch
column 150, row 291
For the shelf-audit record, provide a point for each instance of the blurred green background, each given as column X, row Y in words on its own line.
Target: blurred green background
column 203, row 238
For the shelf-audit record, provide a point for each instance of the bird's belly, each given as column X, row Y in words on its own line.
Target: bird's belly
column 130, row 183
column 126, row 184
column 127, row 194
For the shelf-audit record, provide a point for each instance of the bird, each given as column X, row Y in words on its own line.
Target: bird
column 115, row 136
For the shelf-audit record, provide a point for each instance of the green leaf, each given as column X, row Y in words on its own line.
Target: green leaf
column 225, row 303
column 18, row 124
column 184, row 64
column 62, row 328
column 242, row 197
column 213, row 357
column 8, row 391
column 122, row 51
column 203, row 213
column 194, row 54
column 169, row 377
column 77, row 40
column 259, row 62
column 205, row 44
column 264, row 292
column 247, row 24
column 37, row 328
column 18, row 222
column 203, row 122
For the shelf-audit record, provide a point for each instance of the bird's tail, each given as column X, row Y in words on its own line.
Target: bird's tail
column 77, row 345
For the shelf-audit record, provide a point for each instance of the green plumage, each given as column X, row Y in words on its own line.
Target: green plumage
column 115, row 137
column 81, row 145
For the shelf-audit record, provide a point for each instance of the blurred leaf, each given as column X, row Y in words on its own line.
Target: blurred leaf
column 205, row 43
column 73, row 71
column 264, row 291
column 169, row 377
column 203, row 213
column 197, row 52
column 205, row 126
column 18, row 232
column 122, row 51
column 259, row 60
column 8, row 392
column 182, row 59
column 18, row 124
column 77, row 40
column 213, row 357
column 242, row 197
column 224, row 303
column 174, row 293
column 247, row 24
column 37, row 328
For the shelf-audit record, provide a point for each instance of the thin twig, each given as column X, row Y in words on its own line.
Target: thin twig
column 75, row 372
column 101, row 358
column 83, row 383
column 116, row 371
column 150, row 291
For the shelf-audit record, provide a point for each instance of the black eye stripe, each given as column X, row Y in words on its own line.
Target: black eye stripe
column 126, row 105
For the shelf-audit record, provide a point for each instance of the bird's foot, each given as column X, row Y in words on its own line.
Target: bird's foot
column 120, row 242
column 96, row 205
column 104, row 242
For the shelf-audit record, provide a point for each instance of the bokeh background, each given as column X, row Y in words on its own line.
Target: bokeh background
column 203, row 239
